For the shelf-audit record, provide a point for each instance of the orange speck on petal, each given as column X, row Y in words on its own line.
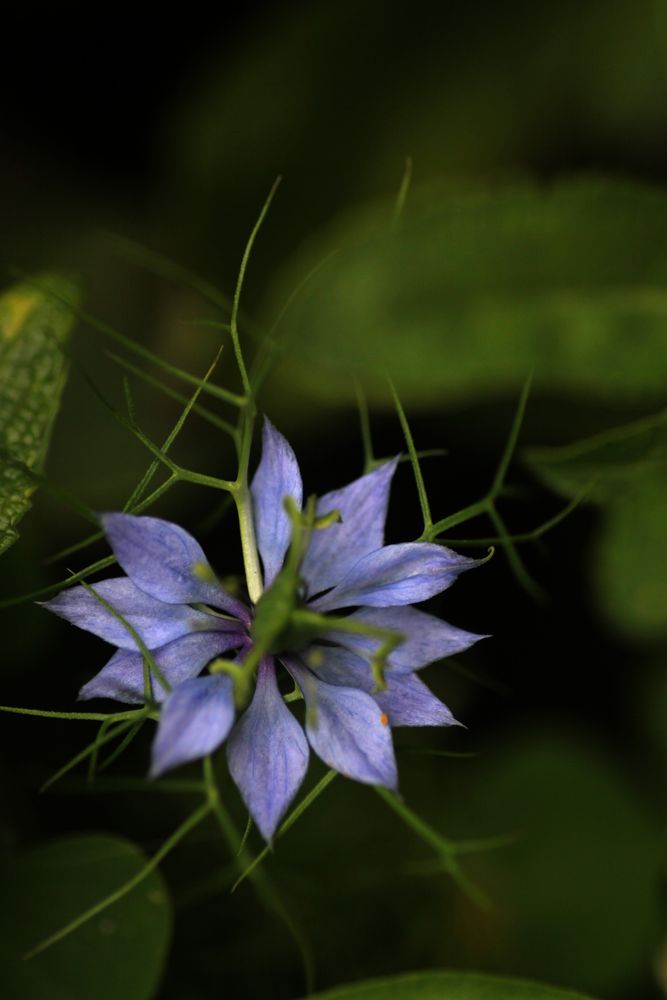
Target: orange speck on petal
column 384, row 719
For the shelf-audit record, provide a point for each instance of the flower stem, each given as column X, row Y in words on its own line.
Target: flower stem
column 253, row 571
column 86, row 716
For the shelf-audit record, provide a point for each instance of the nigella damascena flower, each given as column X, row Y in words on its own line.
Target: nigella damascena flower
column 172, row 600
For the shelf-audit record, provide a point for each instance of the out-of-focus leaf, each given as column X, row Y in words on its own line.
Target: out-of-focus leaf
column 473, row 289
column 34, row 327
column 586, row 856
column 630, row 558
column 626, row 470
column 606, row 462
column 472, row 96
column 447, row 986
column 119, row 953
column 16, row 488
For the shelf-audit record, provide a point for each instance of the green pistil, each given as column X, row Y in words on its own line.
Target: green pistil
column 282, row 624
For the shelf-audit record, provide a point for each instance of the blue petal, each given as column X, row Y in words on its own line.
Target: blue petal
column 425, row 638
column 335, row 665
column 408, row 702
column 194, row 720
column 267, row 753
column 347, row 729
column 166, row 562
column 123, row 676
column 397, row 574
column 333, row 551
column 156, row 623
column 277, row 477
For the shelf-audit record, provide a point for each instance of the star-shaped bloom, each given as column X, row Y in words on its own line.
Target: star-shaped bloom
column 172, row 600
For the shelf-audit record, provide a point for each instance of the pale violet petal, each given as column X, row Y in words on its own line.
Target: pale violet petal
column 425, row 637
column 362, row 505
column 155, row 623
column 347, row 729
column 267, row 753
column 194, row 720
column 123, row 676
column 277, row 477
column 396, row 575
column 407, row 701
column 166, row 562
column 339, row 666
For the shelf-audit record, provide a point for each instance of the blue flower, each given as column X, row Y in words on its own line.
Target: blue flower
column 173, row 601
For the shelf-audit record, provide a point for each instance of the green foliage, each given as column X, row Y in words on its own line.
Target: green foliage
column 475, row 288
column 34, row 329
column 625, row 470
column 447, row 986
column 120, row 953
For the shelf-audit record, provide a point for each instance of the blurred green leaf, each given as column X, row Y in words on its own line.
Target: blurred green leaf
column 605, row 462
column 586, row 856
column 626, row 470
column 630, row 558
column 476, row 288
column 34, row 327
column 447, row 986
column 480, row 92
column 119, row 953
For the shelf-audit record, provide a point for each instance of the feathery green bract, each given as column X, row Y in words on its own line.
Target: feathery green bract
column 34, row 329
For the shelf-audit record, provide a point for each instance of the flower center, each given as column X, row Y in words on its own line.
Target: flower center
column 281, row 623
column 276, row 624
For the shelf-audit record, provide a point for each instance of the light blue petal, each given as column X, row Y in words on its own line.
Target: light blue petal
column 333, row 551
column 342, row 667
column 347, row 730
column 425, row 638
column 408, row 702
column 395, row 575
column 166, row 562
column 156, row 623
column 277, row 477
column 195, row 719
column 123, row 676
column 267, row 753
